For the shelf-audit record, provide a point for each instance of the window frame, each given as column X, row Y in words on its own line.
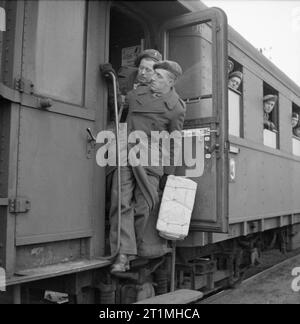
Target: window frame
column 29, row 61
column 240, row 68
column 268, row 89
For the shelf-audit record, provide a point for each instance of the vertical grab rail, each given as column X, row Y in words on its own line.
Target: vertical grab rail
column 118, row 161
column 113, row 255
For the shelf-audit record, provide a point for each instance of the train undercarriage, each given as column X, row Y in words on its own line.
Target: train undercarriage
column 208, row 269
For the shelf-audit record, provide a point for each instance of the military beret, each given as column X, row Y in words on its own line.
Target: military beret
column 170, row 66
column 295, row 115
column 236, row 74
column 230, row 66
column 270, row 97
column 148, row 53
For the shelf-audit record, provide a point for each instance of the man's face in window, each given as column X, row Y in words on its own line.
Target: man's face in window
column 146, row 71
column 234, row 82
column 295, row 121
column 268, row 106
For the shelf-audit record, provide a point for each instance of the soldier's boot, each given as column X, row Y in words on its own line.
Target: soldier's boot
column 121, row 264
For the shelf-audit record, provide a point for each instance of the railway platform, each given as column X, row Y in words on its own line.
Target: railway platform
column 279, row 284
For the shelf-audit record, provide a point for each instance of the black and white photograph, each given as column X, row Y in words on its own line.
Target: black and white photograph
column 150, row 155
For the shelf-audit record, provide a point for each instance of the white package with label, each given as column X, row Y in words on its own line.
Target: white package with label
column 176, row 208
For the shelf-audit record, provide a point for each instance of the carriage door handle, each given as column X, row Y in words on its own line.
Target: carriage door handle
column 91, row 137
column 90, row 145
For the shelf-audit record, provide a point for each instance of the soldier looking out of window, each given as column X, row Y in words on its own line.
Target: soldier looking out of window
column 269, row 104
column 295, row 124
column 235, row 80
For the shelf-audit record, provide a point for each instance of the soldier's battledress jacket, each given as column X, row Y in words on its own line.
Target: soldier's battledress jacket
column 267, row 123
column 148, row 112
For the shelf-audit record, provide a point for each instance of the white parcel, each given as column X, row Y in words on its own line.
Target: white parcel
column 176, row 208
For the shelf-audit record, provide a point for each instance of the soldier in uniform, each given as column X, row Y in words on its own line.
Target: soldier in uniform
column 269, row 103
column 128, row 78
column 154, row 107
column 235, row 79
column 131, row 77
column 295, row 124
column 230, row 66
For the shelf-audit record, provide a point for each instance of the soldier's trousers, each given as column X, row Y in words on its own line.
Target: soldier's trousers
column 135, row 210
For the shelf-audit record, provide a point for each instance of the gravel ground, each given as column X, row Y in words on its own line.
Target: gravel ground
column 269, row 259
column 270, row 287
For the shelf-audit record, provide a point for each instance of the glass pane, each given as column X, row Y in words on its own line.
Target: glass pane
column 296, row 146
column 191, row 47
column 270, row 138
column 234, row 113
column 59, row 51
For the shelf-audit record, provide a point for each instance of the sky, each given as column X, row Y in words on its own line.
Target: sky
column 273, row 25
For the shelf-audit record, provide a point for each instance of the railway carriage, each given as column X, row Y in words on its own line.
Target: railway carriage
column 52, row 193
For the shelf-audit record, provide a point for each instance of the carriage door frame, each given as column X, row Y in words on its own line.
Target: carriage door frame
column 216, row 19
column 57, row 137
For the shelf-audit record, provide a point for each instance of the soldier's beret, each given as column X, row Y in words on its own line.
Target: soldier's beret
column 270, row 97
column 170, row 66
column 237, row 74
column 230, row 66
column 148, row 53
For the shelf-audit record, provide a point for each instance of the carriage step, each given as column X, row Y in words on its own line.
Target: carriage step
column 181, row 296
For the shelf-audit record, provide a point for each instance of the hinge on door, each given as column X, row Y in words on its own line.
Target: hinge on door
column 24, row 85
column 19, row 205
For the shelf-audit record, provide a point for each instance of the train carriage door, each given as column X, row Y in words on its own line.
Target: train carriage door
column 198, row 42
column 62, row 98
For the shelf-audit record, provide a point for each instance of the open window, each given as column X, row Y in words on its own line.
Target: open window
column 126, row 38
column 235, row 98
column 270, row 108
column 198, row 42
column 296, row 129
column 126, row 41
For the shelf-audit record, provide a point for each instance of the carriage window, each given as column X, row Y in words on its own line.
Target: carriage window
column 295, row 125
column 235, row 97
column 195, row 86
column 270, row 109
column 54, row 48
